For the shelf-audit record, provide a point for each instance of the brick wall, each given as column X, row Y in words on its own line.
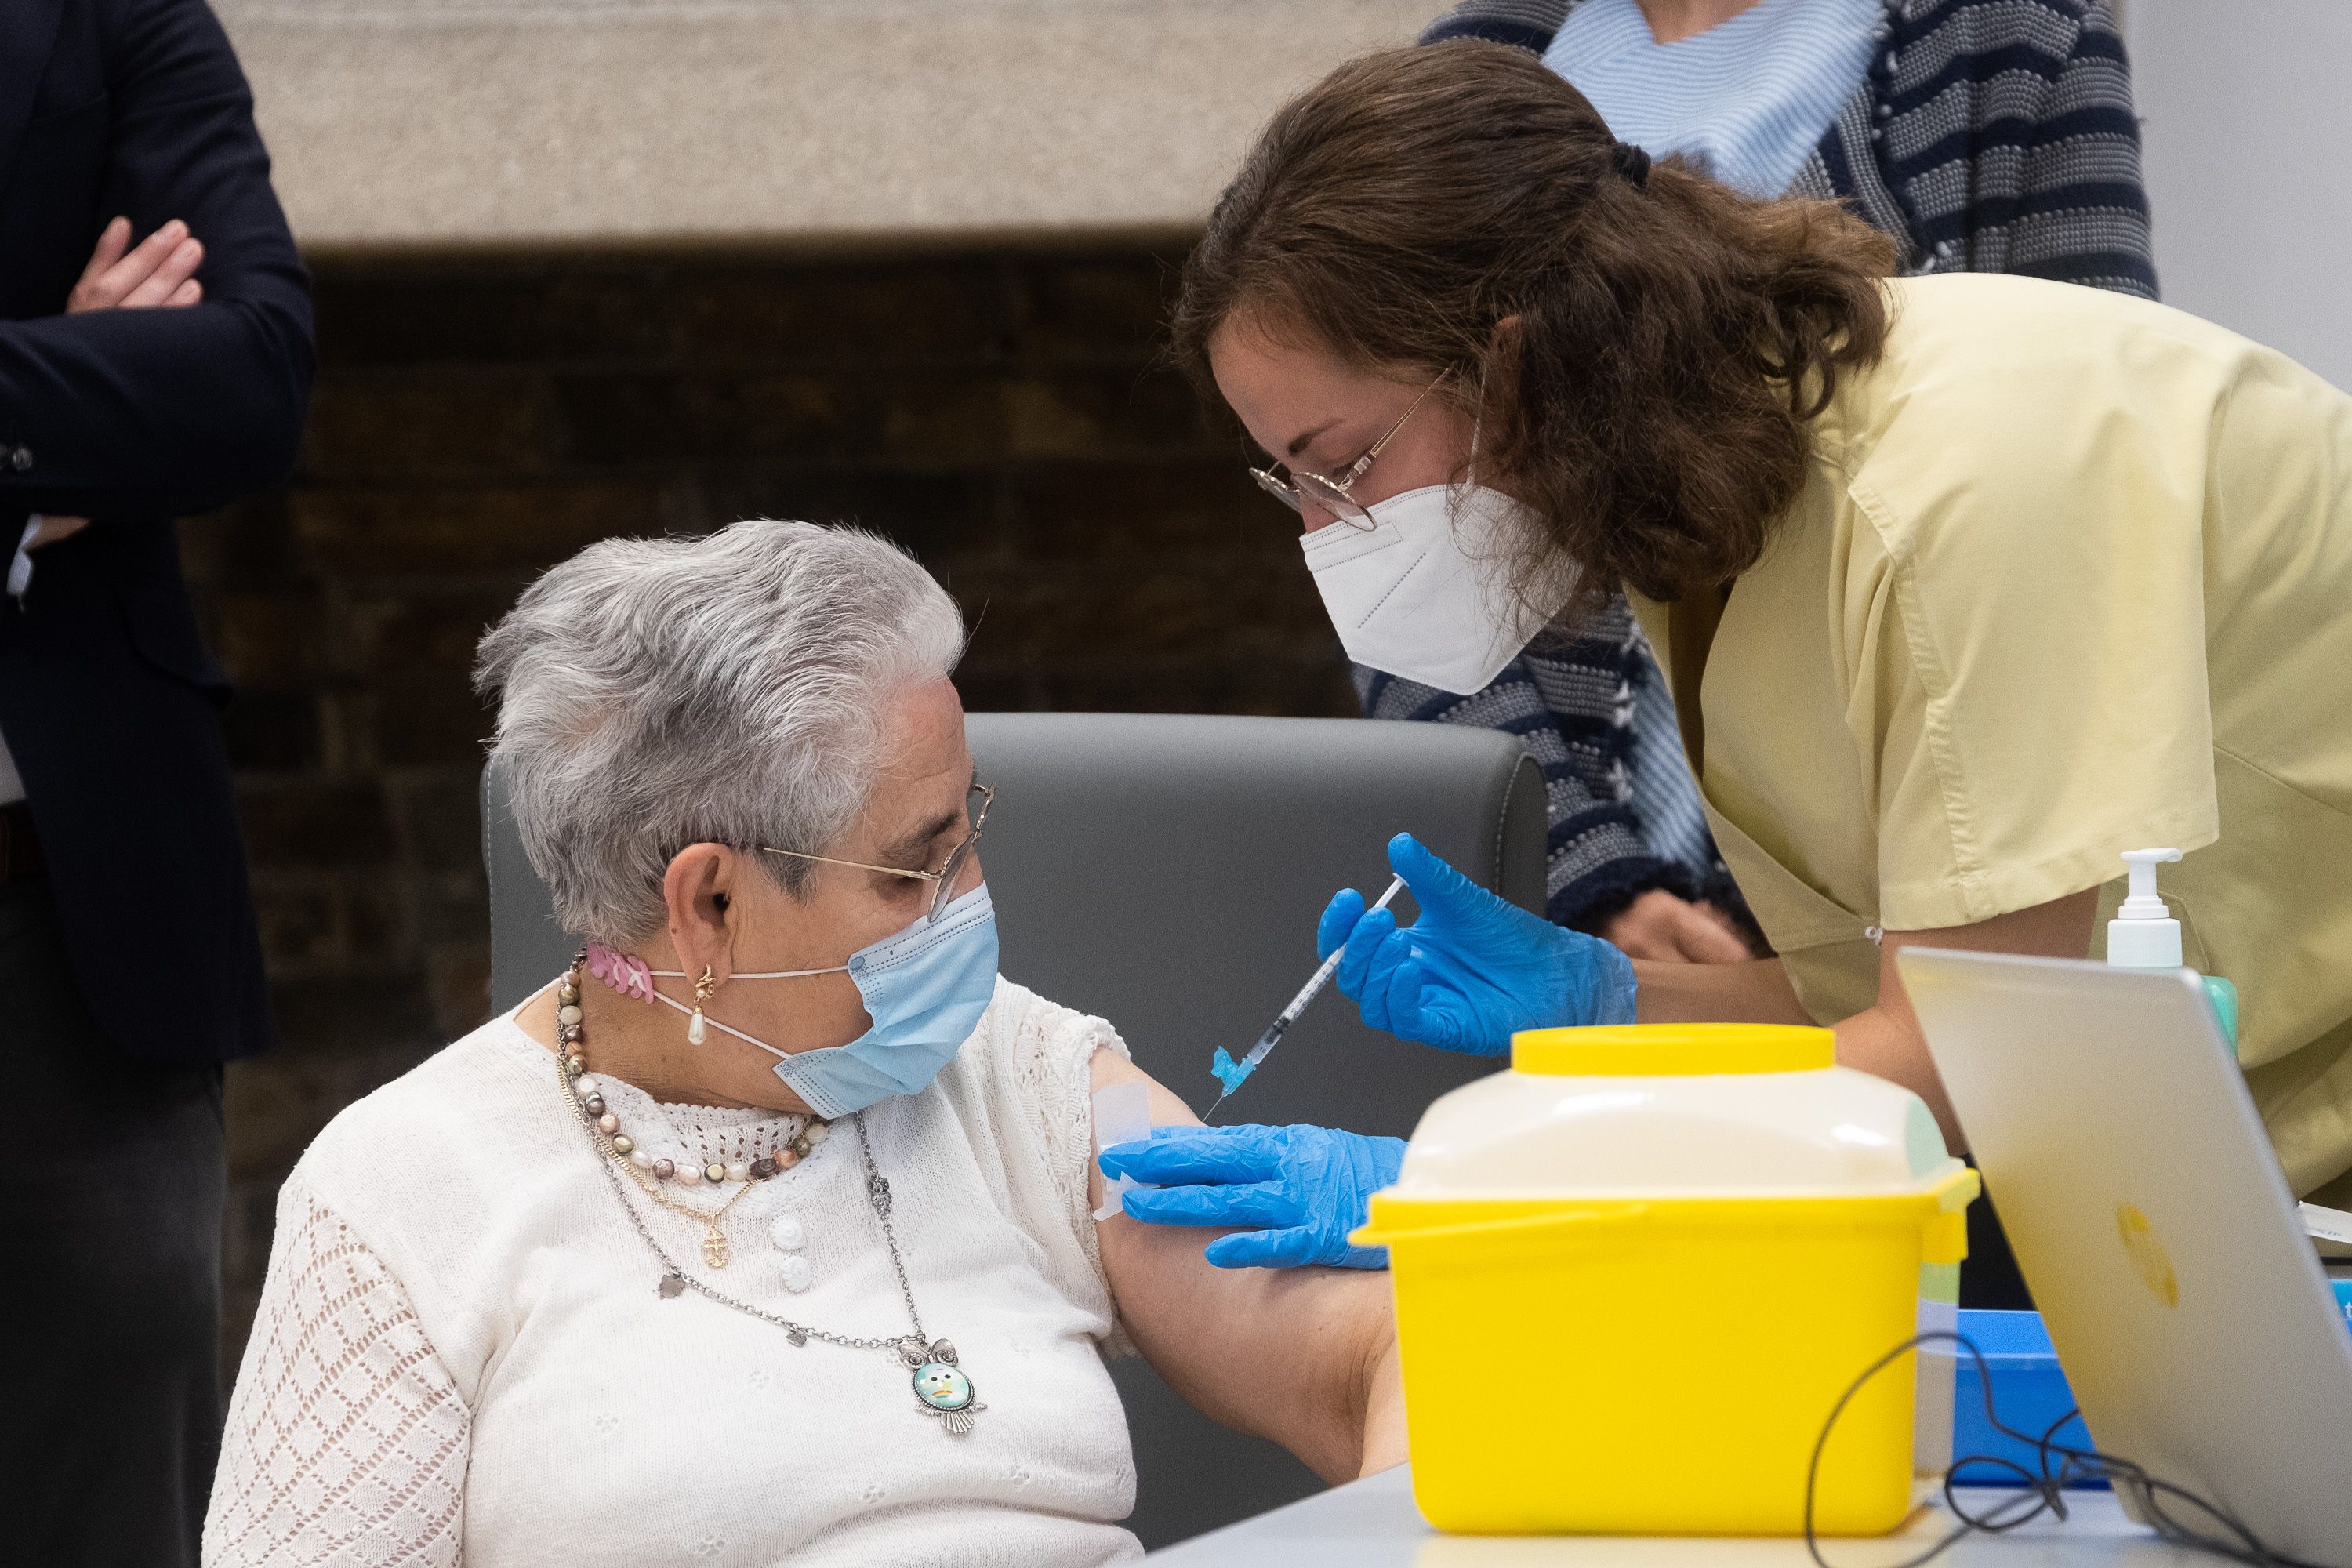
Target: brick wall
column 1000, row 413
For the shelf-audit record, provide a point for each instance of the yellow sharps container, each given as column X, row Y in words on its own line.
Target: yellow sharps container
column 1634, row 1273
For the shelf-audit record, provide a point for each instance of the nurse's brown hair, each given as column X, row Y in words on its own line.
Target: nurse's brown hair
column 1642, row 347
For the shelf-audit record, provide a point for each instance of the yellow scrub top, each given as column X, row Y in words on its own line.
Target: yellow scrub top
column 2071, row 574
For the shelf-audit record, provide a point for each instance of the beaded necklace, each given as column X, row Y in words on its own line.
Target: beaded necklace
column 568, row 1028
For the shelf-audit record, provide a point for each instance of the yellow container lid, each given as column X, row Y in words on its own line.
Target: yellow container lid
column 1671, row 1050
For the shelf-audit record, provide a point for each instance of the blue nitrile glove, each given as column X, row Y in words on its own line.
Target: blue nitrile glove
column 1300, row 1190
column 1473, row 969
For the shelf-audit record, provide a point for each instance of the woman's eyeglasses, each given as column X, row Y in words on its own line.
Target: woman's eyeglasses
column 1297, row 489
column 976, row 804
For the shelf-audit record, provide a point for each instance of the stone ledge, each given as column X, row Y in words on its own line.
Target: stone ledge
column 460, row 123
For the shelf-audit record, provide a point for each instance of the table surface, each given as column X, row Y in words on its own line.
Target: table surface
column 1372, row 1523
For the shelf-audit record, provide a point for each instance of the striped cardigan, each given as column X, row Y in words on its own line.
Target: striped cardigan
column 1990, row 136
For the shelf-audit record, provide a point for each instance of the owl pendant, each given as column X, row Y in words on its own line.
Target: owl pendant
column 941, row 1387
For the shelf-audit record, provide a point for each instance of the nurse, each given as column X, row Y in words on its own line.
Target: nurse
column 1964, row 583
column 1980, row 136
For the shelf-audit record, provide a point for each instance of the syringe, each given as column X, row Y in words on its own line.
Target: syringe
column 1229, row 1072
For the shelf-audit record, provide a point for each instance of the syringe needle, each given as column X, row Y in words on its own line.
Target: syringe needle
column 1231, row 1073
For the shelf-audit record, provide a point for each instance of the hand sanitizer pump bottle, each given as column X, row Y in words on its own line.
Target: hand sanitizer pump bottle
column 2144, row 935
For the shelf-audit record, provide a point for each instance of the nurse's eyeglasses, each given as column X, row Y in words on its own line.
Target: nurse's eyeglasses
column 977, row 801
column 1297, row 489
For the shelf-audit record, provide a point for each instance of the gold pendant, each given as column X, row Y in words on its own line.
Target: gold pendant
column 714, row 1250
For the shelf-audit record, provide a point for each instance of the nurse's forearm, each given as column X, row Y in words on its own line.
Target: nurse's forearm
column 1879, row 1040
column 1886, row 1043
column 1886, row 1039
column 1756, row 992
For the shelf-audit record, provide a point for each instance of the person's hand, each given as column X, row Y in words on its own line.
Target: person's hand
column 1659, row 926
column 160, row 273
column 49, row 530
column 1473, row 969
column 1296, row 1192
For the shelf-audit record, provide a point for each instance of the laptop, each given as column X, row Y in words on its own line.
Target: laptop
column 2154, row 1227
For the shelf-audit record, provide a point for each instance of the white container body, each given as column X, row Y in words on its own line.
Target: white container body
column 1520, row 1135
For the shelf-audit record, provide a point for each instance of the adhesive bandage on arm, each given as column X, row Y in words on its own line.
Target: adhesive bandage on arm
column 1122, row 1115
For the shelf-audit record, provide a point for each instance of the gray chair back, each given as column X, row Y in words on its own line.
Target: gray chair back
column 1165, row 872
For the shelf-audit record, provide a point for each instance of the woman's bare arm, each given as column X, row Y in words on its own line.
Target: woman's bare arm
column 1306, row 1357
column 1884, row 1039
column 1756, row 991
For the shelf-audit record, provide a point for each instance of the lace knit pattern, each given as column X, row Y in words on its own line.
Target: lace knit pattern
column 698, row 1135
column 1059, row 1083
column 346, row 1439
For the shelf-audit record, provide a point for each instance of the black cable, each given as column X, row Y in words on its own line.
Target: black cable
column 2044, row 1492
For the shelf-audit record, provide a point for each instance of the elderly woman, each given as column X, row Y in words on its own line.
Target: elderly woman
column 764, row 1232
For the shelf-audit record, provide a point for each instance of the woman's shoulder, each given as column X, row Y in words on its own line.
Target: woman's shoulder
column 444, row 1176
column 2021, row 430
column 469, row 1110
column 1023, row 1087
column 1952, row 330
column 1987, row 370
column 1026, row 1078
column 1025, row 1041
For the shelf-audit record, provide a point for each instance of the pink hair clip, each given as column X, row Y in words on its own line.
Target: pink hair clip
column 623, row 972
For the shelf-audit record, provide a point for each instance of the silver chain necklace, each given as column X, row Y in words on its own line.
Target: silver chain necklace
column 942, row 1389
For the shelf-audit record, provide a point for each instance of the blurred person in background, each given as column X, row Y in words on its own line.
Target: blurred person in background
column 1980, row 135
column 155, row 358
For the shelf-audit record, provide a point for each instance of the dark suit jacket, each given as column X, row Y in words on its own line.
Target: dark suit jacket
column 108, row 700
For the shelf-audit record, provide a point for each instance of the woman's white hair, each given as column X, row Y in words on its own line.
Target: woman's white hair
column 654, row 694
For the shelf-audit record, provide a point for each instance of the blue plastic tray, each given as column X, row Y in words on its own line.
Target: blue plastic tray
column 2028, row 1390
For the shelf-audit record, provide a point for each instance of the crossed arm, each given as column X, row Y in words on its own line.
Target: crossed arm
column 158, row 412
column 156, row 274
column 1306, row 1357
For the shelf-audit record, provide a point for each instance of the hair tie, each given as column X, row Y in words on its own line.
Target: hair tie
column 1631, row 163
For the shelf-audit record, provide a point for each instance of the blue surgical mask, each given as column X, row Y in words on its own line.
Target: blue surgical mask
column 924, row 988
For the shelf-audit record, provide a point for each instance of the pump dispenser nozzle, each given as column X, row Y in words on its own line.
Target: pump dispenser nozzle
column 2144, row 935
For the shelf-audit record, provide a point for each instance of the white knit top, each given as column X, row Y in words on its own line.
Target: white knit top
column 461, row 1355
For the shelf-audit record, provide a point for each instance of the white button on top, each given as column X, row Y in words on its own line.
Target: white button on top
column 787, row 1231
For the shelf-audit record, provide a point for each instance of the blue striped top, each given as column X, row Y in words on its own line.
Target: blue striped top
column 1748, row 99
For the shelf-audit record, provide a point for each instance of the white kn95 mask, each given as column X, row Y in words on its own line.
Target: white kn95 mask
column 1424, row 592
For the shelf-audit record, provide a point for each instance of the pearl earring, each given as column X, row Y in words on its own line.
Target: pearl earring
column 702, row 990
